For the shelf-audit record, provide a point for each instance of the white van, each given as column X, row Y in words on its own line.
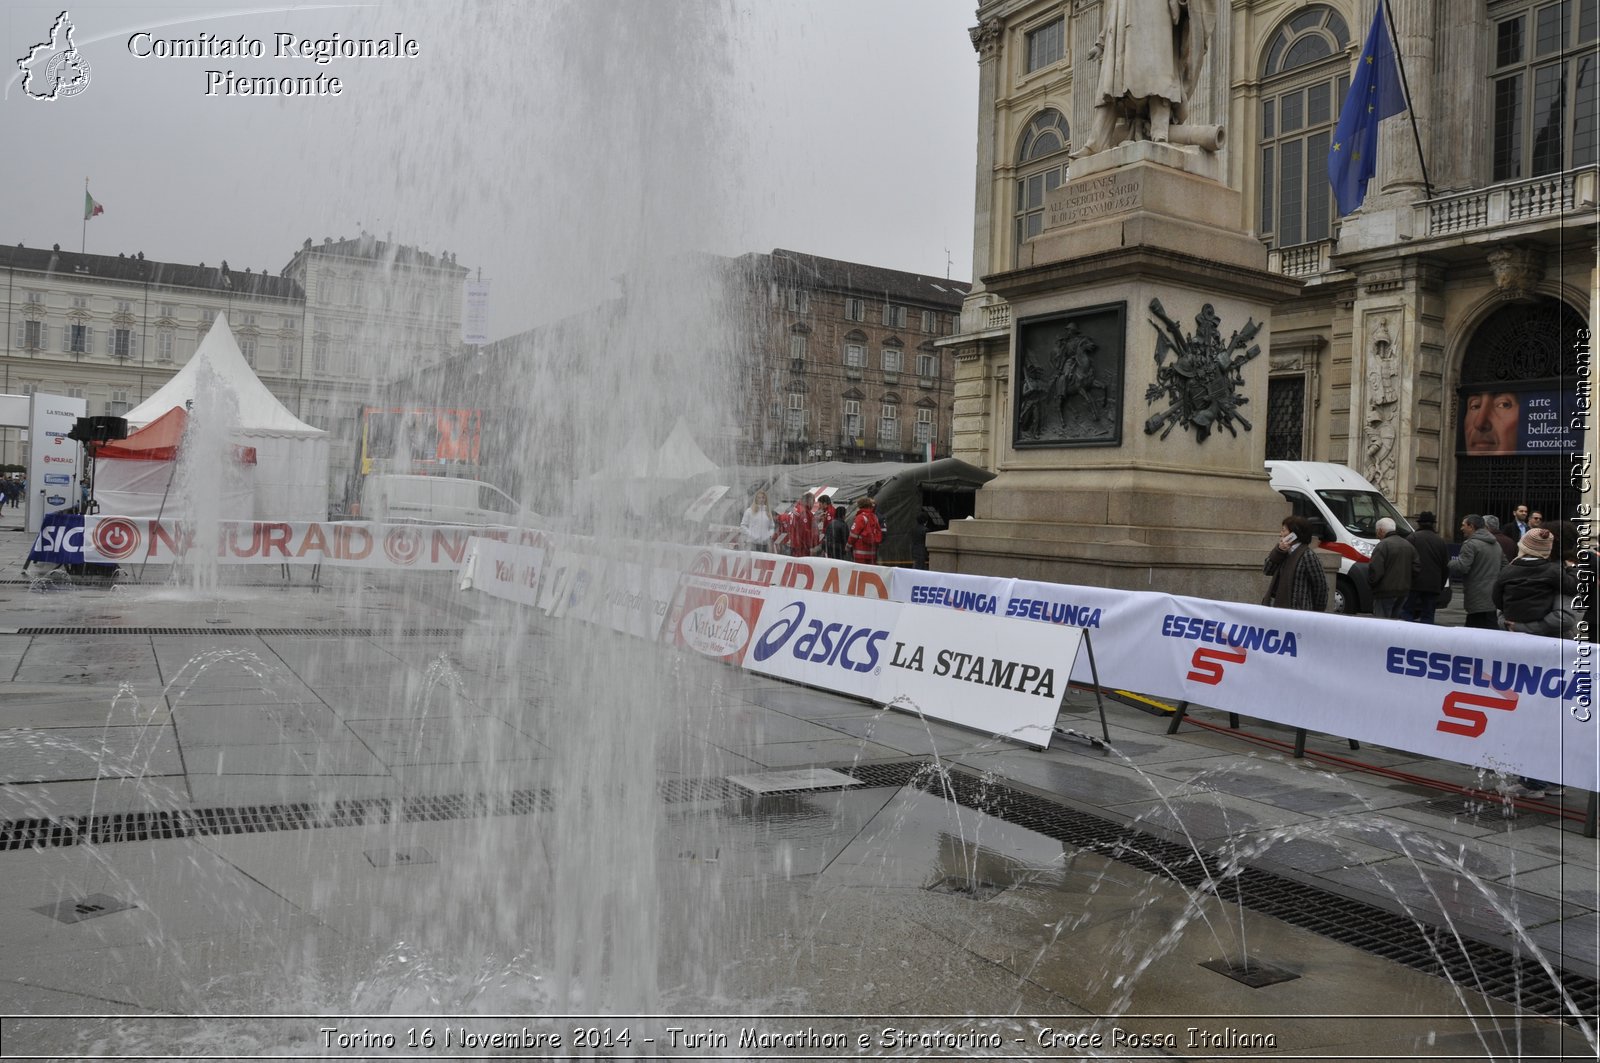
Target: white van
column 1343, row 508
column 393, row 498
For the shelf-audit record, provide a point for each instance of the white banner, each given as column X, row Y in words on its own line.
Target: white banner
column 503, row 570
column 352, row 544
column 475, row 313
column 833, row 641
column 1497, row 700
column 52, row 457
column 1002, row 677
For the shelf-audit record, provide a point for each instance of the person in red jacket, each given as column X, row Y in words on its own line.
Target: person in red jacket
column 866, row 533
column 802, row 527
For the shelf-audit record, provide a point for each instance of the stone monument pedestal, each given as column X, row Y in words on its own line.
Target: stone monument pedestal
column 1152, row 476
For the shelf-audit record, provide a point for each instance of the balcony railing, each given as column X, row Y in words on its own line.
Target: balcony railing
column 1517, row 201
column 997, row 315
column 1301, row 260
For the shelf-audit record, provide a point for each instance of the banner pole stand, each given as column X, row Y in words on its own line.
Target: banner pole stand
column 1103, row 744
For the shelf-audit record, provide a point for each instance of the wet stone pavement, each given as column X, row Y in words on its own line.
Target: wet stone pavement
column 286, row 798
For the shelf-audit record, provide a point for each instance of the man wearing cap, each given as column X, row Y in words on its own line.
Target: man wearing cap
column 1475, row 568
column 1508, row 545
column 1433, row 563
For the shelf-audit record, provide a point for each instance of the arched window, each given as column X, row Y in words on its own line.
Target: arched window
column 1303, row 82
column 1545, row 113
column 1041, row 168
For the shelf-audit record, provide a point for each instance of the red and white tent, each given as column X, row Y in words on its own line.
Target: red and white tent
column 291, row 476
column 133, row 476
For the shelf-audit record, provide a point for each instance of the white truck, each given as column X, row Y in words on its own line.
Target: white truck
column 393, row 498
column 1343, row 508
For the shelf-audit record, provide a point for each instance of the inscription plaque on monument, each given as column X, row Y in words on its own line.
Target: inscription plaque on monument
column 1092, row 198
column 1068, row 379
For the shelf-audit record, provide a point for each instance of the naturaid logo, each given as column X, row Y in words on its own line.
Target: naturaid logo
column 54, row 69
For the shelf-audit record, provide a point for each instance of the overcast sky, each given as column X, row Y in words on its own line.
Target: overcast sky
column 547, row 143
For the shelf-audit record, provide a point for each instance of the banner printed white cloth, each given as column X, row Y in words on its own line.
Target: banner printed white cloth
column 503, row 570
column 1001, row 677
column 110, row 540
column 1492, row 699
column 951, row 590
column 834, row 641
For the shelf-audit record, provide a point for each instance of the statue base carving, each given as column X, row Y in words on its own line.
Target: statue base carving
column 1180, row 502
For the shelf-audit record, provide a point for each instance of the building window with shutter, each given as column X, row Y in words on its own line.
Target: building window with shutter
column 924, row 427
column 889, row 424
column 855, row 309
column 1286, row 418
column 894, row 316
column 32, row 335
column 122, row 343
column 78, row 339
column 855, row 355
column 893, row 358
column 164, row 341
column 1047, row 44
column 852, row 419
column 247, row 347
column 927, row 365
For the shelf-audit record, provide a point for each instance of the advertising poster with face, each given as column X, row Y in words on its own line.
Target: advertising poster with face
column 1499, row 420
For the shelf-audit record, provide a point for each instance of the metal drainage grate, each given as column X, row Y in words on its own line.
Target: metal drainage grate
column 1489, row 969
column 340, row 632
column 118, row 827
column 77, row 909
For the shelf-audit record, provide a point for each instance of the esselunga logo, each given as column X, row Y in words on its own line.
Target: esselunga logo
column 54, row 68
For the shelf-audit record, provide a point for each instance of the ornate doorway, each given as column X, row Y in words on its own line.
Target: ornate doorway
column 1512, row 412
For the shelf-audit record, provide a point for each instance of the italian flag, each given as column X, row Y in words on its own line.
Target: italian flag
column 90, row 207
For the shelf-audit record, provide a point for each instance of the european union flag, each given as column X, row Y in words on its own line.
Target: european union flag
column 1374, row 95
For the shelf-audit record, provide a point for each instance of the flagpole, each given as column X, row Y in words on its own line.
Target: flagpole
column 1399, row 61
column 83, row 240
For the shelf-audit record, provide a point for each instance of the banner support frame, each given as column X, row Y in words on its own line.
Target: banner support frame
column 1103, row 744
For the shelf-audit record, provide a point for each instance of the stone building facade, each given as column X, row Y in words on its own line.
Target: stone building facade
column 325, row 335
column 844, row 362
column 1468, row 271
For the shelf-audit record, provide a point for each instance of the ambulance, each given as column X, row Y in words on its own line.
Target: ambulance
column 1344, row 509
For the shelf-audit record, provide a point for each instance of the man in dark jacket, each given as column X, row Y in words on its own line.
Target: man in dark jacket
column 1390, row 570
column 1433, row 561
column 1476, row 568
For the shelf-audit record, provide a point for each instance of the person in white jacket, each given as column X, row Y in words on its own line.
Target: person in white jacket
column 757, row 524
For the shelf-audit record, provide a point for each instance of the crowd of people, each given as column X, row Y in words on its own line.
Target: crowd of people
column 813, row 526
column 1527, row 582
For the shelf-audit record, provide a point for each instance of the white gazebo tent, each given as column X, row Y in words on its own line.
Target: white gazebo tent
column 291, row 472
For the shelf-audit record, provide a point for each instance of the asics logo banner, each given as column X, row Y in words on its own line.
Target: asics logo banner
column 839, row 645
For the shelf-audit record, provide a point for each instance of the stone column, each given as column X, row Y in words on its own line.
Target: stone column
column 986, row 39
column 1415, row 27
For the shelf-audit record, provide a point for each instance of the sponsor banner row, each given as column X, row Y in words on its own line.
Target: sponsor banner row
column 109, row 540
column 1491, row 699
column 1001, row 677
